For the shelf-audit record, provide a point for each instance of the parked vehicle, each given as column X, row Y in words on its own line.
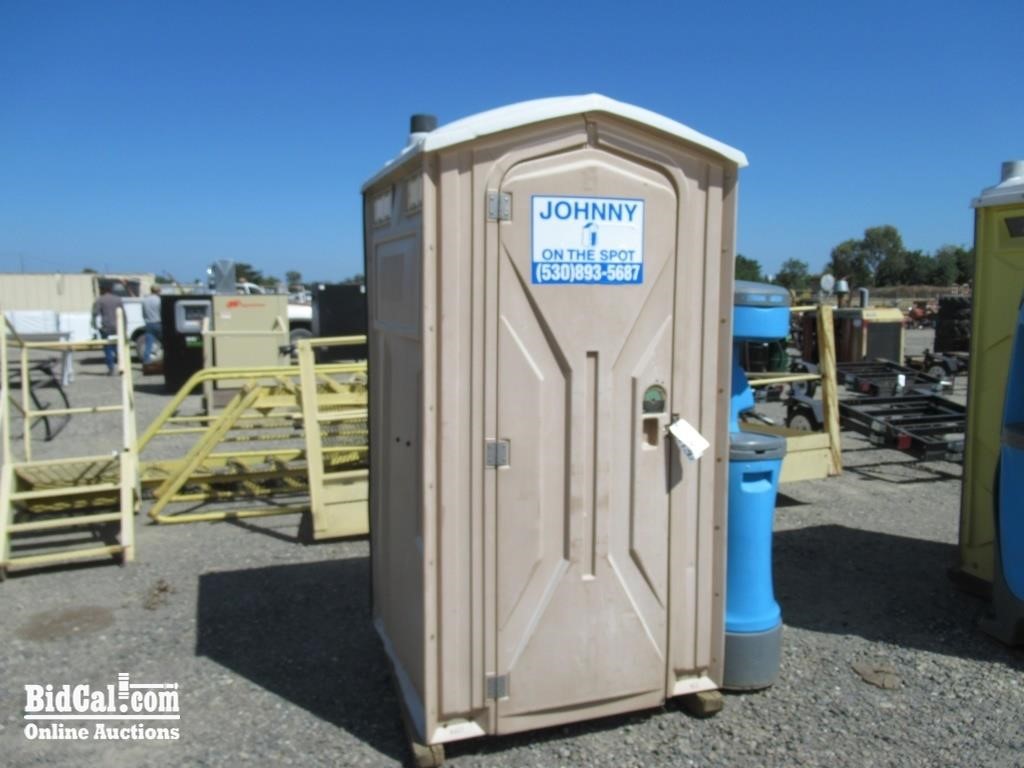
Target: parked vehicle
column 941, row 365
column 300, row 315
column 920, row 315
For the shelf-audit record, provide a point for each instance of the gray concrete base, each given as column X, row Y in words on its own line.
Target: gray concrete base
column 752, row 659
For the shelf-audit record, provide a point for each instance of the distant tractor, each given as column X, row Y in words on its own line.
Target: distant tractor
column 921, row 315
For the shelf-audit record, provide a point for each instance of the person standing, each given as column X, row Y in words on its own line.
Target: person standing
column 151, row 317
column 104, row 310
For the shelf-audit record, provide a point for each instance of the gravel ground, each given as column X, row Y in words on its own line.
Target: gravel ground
column 270, row 642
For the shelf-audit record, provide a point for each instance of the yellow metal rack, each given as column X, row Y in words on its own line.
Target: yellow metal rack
column 56, row 510
column 292, row 439
column 810, row 455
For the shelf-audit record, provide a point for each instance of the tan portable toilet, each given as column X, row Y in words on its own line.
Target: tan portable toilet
column 550, row 287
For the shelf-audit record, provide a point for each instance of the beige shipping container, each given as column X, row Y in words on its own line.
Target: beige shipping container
column 550, row 287
column 60, row 291
column 54, row 291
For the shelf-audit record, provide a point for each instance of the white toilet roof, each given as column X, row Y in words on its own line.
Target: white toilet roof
column 538, row 110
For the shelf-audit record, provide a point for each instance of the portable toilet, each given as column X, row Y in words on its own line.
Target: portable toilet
column 1006, row 621
column 998, row 285
column 550, row 288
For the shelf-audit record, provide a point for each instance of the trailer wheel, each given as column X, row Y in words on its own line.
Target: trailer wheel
column 140, row 347
column 803, row 420
column 299, row 333
column 938, row 371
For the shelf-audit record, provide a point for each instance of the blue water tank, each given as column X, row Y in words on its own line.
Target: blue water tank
column 753, row 619
column 760, row 312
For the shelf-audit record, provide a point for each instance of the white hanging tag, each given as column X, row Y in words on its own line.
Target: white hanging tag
column 691, row 442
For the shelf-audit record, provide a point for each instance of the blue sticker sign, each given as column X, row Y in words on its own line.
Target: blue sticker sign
column 587, row 240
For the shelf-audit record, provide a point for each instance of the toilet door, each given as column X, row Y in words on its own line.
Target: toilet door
column 586, row 278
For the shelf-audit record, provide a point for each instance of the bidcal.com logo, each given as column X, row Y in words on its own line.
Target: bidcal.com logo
column 146, row 706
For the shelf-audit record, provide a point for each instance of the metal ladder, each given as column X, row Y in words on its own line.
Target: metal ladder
column 55, row 510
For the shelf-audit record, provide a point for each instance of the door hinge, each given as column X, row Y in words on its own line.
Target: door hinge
column 499, row 206
column 497, row 686
column 496, row 453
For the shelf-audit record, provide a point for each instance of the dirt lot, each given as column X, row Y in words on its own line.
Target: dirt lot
column 270, row 644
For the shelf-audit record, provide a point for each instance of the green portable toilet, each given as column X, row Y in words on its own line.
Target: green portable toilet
column 998, row 284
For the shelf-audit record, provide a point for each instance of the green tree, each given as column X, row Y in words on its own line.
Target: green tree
column 748, row 269
column 879, row 244
column 293, row 277
column 793, row 275
column 892, row 269
column 247, row 273
column 964, row 260
column 847, row 260
column 919, row 270
column 860, row 260
column 945, row 266
column 356, row 279
column 965, row 266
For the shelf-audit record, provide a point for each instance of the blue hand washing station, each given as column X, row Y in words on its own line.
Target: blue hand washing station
column 753, row 620
column 1007, row 622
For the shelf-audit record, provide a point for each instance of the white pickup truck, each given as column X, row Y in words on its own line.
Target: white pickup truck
column 300, row 319
column 300, row 316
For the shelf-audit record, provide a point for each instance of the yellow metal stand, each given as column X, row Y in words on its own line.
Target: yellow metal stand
column 41, row 502
column 310, row 423
column 810, row 455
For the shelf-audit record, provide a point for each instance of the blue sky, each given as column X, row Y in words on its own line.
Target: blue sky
column 159, row 136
